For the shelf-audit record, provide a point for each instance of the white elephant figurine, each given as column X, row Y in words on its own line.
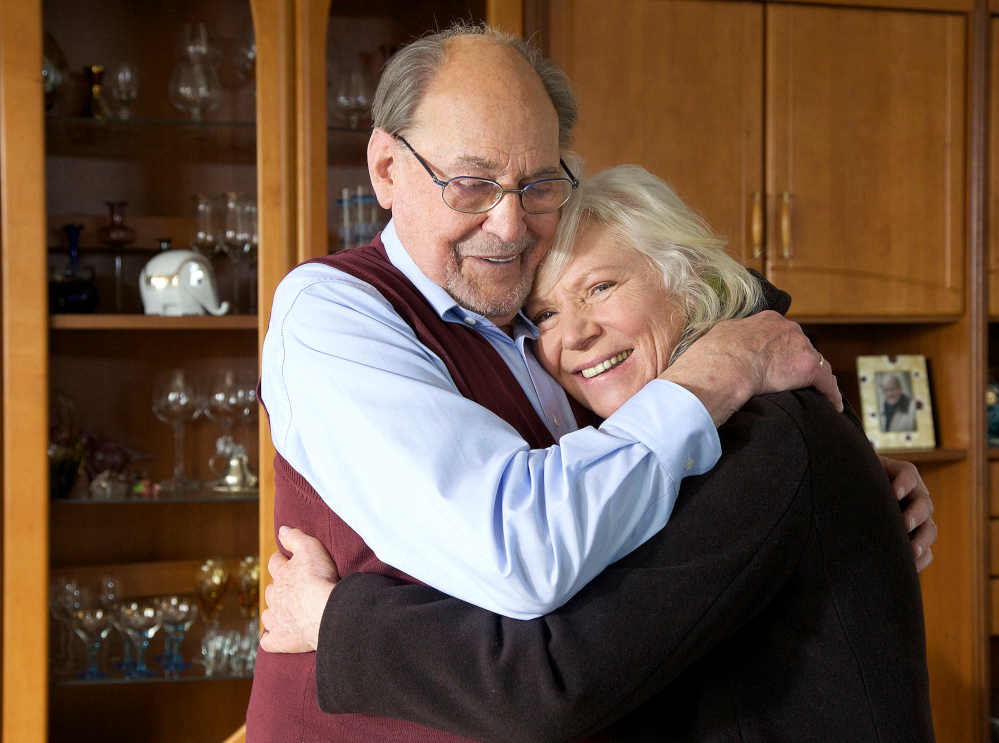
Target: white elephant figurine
column 179, row 282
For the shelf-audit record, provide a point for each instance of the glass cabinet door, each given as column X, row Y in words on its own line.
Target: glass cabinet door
column 152, row 225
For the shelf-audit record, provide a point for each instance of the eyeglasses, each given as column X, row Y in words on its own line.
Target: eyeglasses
column 472, row 195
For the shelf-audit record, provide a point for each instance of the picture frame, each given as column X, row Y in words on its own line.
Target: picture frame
column 895, row 401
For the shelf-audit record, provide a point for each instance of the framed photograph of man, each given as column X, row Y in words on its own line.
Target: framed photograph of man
column 895, row 401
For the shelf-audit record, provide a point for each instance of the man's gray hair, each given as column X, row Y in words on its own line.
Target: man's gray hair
column 642, row 213
column 411, row 70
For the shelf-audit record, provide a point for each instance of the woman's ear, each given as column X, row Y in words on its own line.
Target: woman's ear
column 381, row 158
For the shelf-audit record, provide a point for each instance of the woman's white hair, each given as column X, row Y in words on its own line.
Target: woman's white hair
column 642, row 213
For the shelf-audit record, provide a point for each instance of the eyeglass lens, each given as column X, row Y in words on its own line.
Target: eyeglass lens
column 475, row 195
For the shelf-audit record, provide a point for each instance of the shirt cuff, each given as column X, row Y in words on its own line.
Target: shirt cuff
column 673, row 423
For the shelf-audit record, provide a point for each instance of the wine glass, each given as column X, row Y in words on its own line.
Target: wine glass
column 210, row 582
column 108, row 597
column 124, row 86
column 204, row 234
column 178, row 613
column 247, row 409
column 194, row 86
column 248, row 585
column 141, row 620
column 65, row 597
column 353, row 96
column 223, row 400
column 175, row 401
column 235, row 237
column 250, row 249
column 92, row 624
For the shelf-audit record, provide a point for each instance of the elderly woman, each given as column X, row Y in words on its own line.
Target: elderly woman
column 780, row 601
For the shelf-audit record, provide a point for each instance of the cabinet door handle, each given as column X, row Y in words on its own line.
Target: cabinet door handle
column 785, row 224
column 756, row 224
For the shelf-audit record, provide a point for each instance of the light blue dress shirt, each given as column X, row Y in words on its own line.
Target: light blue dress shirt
column 438, row 486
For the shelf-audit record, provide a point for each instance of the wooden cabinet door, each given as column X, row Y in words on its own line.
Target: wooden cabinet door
column 992, row 220
column 675, row 86
column 866, row 135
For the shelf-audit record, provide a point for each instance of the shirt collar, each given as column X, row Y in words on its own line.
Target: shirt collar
column 442, row 302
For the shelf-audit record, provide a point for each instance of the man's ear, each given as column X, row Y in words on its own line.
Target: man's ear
column 381, row 158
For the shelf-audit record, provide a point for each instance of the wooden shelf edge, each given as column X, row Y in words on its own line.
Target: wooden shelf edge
column 152, row 322
column 925, row 455
column 875, row 319
column 993, row 453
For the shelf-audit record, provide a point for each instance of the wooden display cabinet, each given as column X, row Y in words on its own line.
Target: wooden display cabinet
column 871, row 120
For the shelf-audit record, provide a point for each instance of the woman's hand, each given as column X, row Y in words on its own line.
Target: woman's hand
column 297, row 597
column 737, row 359
column 917, row 516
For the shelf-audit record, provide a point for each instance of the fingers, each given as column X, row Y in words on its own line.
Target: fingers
column 291, row 539
column 917, row 513
column 924, row 561
column 275, row 563
column 920, row 542
column 905, row 479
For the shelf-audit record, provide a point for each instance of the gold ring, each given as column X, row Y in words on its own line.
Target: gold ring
column 821, row 360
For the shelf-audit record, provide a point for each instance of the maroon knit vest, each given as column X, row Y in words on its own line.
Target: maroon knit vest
column 283, row 704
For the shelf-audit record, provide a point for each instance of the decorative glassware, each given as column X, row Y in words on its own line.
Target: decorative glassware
column 223, row 401
column 124, row 87
column 210, row 582
column 96, row 107
column 92, row 625
column 65, row 450
column 54, row 70
column 247, row 408
column 178, row 613
column 71, row 286
column 65, row 597
column 353, row 97
column 236, row 235
column 205, row 234
column 175, row 401
column 250, row 250
column 194, row 86
column 116, row 234
column 248, row 585
column 141, row 620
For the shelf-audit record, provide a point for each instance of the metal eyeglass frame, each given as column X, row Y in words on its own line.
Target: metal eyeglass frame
column 502, row 191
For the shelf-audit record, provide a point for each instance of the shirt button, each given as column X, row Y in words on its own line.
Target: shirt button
column 689, row 463
column 470, row 320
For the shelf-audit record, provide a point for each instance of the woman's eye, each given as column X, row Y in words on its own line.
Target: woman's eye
column 603, row 286
column 542, row 316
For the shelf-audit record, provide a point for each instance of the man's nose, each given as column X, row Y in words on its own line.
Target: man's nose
column 506, row 220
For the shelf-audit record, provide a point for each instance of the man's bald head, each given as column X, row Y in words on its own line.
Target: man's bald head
column 413, row 70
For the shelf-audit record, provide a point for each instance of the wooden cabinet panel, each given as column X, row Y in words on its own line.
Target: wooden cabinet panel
column 866, row 133
column 993, row 227
column 674, row 86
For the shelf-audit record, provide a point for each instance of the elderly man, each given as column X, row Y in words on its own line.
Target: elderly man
column 411, row 419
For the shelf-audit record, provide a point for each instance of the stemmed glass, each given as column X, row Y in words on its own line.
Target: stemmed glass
column 124, row 85
column 248, row 584
column 141, row 620
column 108, row 598
column 353, row 96
column 235, row 237
column 66, row 597
column 210, row 582
column 92, row 625
column 194, row 86
column 250, row 249
column 223, row 399
column 175, row 401
column 178, row 613
column 247, row 409
column 204, row 234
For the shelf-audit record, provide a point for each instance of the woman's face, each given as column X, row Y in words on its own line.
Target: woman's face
column 607, row 326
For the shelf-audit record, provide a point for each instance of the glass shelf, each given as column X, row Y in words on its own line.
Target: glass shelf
column 194, row 673
column 152, row 322
column 186, row 141
column 150, row 139
column 203, row 496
